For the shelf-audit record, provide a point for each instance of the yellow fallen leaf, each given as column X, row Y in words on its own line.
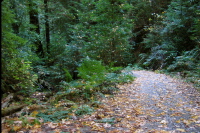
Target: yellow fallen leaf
column 106, row 95
column 101, row 115
column 178, row 121
column 176, row 114
column 198, row 125
column 16, row 128
column 179, row 129
column 28, row 126
column 195, row 117
column 178, row 105
column 187, row 122
column 118, row 119
column 128, row 116
column 57, row 105
column 163, row 113
column 34, row 113
column 97, row 128
column 37, row 126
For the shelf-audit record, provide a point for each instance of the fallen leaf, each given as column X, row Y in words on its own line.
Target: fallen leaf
column 52, row 125
column 96, row 127
column 187, row 122
column 34, row 113
column 37, row 126
column 195, row 117
column 179, row 129
column 17, row 128
column 178, row 121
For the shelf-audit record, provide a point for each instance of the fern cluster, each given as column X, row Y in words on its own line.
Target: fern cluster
column 96, row 78
column 92, row 70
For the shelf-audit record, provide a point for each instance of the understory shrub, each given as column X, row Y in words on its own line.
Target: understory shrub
column 92, row 70
column 187, row 66
column 187, row 61
column 53, row 116
column 96, row 79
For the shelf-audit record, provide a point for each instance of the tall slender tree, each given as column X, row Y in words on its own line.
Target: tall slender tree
column 35, row 26
column 47, row 28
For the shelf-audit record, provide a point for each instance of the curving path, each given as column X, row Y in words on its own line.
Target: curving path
column 170, row 105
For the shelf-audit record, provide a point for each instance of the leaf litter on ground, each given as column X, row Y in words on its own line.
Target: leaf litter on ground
column 152, row 103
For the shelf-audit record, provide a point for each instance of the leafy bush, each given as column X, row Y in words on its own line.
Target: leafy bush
column 92, row 70
column 171, row 36
column 96, row 80
column 187, row 66
column 112, row 69
column 125, row 78
column 187, row 61
column 60, row 66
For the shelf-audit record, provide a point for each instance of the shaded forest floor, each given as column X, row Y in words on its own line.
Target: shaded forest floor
column 153, row 103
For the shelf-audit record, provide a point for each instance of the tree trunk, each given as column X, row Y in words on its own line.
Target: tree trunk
column 34, row 20
column 15, row 25
column 47, row 26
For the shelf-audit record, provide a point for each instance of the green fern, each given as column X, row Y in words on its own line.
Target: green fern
column 84, row 109
column 92, row 70
column 68, row 75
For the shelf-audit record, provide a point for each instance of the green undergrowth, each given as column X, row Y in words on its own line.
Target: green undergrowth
column 192, row 76
column 81, row 96
column 186, row 66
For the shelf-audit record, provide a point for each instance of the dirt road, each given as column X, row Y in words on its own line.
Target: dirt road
column 169, row 104
column 153, row 103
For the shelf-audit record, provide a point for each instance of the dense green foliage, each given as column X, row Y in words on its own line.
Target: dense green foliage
column 91, row 70
column 173, row 34
column 17, row 75
column 84, row 45
column 173, row 41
